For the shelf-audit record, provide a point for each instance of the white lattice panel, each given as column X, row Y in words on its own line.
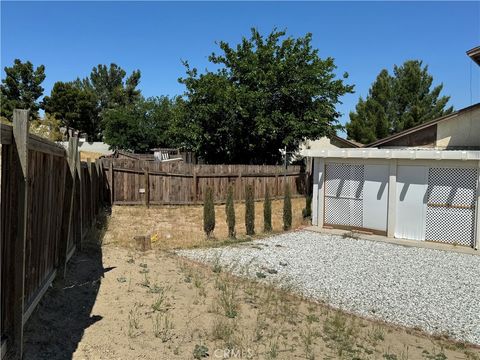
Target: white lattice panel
column 344, row 180
column 450, row 214
column 452, row 186
column 344, row 194
column 339, row 211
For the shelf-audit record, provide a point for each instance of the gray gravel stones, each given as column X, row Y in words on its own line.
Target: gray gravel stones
column 434, row 290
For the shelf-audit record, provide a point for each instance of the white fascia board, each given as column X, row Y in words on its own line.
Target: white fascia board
column 409, row 154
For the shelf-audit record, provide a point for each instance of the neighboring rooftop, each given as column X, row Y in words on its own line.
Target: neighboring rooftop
column 423, row 126
column 474, row 54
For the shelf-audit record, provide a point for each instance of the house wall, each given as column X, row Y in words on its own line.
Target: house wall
column 406, row 198
column 323, row 143
column 460, row 131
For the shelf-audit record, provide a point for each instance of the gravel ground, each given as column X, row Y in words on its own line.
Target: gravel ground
column 434, row 290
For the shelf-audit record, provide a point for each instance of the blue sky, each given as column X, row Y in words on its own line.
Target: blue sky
column 69, row 38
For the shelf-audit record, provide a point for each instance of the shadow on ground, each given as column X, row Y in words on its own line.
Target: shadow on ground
column 57, row 326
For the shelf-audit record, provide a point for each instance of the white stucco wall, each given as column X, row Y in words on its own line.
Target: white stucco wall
column 461, row 130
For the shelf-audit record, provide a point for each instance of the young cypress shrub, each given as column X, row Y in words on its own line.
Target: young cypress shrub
column 208, row 212
column 249, row 210
column 230, row 212
column 267, row 212
column 287, row 209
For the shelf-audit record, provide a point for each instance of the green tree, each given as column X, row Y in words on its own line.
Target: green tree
column 396, row 103
column 249, row 210
column 74, row 106
column 230, row 212
column 140, row 126
column 267, row 212
column 268, row 93
column 21, row 88
column 208, row 212
column 287, row 209
column 111, row 88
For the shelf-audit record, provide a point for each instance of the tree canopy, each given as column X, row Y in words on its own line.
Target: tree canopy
column 268, row 93
column 398, row 102
column 140, row 126
column 82, row 104
column 74, row 106
column 21, row 88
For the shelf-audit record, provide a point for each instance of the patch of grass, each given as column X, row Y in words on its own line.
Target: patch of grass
column 163, row 327
column 341, row 333
column 133, row 321
column 181, row 227
column 228, row 298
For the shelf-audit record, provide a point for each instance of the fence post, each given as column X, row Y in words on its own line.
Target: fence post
column 194, row 185
column 68, row 205
column 91, row 210
column 78, row 166
column 110, row 174
column 20, row 167
column 147, row 189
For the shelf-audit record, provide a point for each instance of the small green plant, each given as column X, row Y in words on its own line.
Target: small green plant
column 267, row 213
column 159, row 303
column 133, row 321
column 376, row 334
column 208, row 213
column 163, row 327
column 216, row 265
column 230, row 212
column 287, row 209
column 272, row 352
column 200, row 351
column 228, row 298
column 249, row 210
column 307, row 212
column 261, row 275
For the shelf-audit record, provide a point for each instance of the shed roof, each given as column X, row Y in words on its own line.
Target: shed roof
column 406, row 154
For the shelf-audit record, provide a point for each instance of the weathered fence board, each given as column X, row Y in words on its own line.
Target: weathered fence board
column 147, row 182
column 49, row 201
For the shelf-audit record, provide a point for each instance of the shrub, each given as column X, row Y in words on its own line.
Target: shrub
column 287, row 209
column 249, row 210
column 307, row 212
column 267, row 212
column 230, row 212
column 208, row 212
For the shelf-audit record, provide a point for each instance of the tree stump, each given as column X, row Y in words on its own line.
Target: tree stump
column 143, row 243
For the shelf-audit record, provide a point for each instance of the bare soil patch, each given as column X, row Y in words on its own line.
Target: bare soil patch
column 119, row 304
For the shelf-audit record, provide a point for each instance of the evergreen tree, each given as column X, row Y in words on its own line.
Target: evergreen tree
column 21, row 88
column 208, row 212
column 249, row 210
column 287, row 209
column 396, row 103
column 267, row 212
column 230, row 212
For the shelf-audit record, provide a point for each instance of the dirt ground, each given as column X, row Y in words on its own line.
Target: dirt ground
column 158, row 306
column 117, row 303
column 176, row 227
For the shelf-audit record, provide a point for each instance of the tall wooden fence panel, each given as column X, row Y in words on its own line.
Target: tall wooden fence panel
column 49, row 201
column 148, row 182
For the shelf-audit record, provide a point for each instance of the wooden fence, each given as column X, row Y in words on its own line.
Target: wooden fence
column 49, row 201
column 146, row 182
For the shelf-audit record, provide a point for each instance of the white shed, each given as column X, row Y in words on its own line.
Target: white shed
column 424, row 195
